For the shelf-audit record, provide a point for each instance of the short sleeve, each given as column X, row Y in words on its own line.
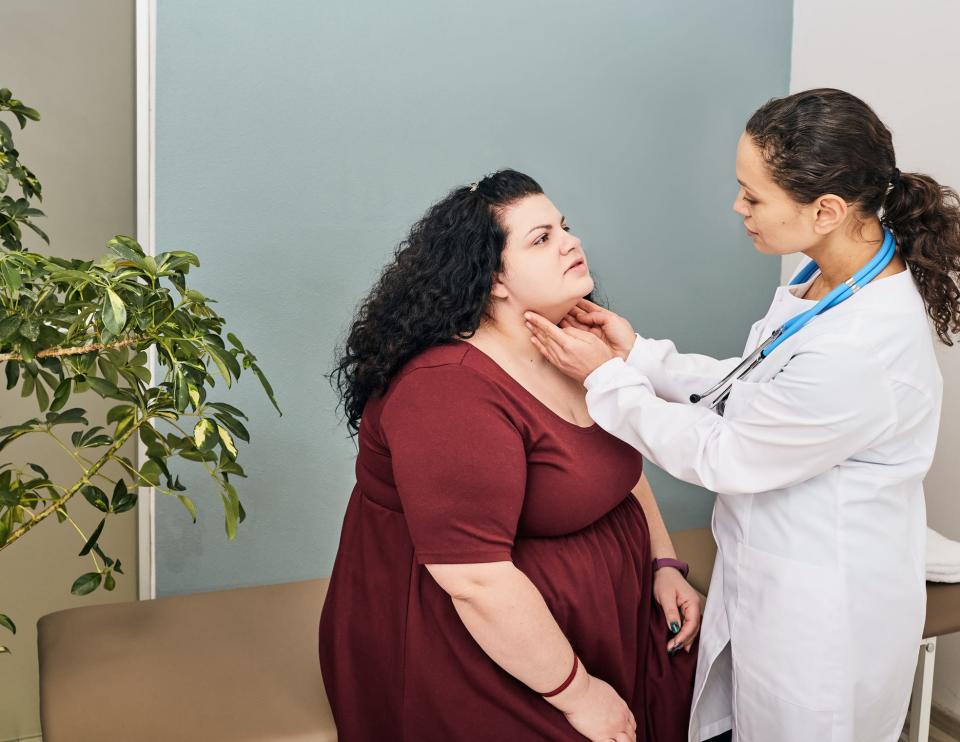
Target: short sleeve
column 459, row 464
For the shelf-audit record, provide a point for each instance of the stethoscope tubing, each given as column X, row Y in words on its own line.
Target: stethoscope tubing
column 793, row 325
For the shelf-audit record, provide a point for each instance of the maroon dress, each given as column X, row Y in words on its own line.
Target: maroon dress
column 458, row 463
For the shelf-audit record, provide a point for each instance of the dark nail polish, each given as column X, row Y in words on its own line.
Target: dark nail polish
column 671, row 652
column 675, row 627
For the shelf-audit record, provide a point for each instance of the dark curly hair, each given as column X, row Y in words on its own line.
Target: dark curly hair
column 829, row 141
column 436, row 289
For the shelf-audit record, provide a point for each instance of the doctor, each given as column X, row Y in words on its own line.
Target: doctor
column 817, row 445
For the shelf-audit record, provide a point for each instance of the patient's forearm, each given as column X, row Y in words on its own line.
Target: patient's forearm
column 508, row 618
column 661, row 547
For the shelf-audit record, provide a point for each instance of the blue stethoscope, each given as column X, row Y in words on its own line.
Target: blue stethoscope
column 793, row 325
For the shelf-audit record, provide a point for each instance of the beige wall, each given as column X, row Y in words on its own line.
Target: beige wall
column 74, row 62
column 902, row 58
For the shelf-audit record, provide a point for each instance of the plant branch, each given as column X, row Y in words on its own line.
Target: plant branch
column 85, row 479
column 79, row 350
column 96, row 566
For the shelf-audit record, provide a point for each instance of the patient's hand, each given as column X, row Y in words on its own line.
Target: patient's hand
column 613, row 329
column 681, row 605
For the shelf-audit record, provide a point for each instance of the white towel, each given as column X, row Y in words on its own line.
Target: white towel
column 943, row 558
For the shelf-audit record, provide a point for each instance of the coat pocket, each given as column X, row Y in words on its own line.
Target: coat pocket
column 787, row 637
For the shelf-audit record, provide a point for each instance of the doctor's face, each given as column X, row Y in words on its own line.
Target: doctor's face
column 544, row 268
column 776, row 223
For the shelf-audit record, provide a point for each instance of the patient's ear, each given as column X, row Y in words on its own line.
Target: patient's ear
column 499, row 290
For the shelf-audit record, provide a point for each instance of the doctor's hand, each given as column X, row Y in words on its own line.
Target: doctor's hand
column 681, row 605
column 613, row 329
column 577, row 353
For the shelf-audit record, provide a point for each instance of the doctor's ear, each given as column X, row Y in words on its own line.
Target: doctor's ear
column 831, row 211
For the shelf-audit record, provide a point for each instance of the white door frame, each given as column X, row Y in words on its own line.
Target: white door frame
column 146, row 56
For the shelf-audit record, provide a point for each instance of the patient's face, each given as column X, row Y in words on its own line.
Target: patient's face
column 544, row 268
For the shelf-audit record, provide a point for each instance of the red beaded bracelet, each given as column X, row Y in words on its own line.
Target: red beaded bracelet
column 566, row 683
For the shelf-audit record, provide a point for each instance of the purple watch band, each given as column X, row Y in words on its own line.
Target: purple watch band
column 675, row 563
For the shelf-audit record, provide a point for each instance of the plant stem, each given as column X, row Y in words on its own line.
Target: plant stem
column 59, row 352
column 82, row 535
column 85, row 479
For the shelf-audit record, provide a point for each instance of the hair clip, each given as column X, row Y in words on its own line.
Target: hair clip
column 474, row 186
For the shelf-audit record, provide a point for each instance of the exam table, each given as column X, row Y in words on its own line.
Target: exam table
column 242, row 664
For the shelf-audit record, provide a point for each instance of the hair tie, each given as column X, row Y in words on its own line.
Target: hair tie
column 895, row 177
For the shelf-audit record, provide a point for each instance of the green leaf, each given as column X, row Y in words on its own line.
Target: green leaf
column 96, row 497
column 126, row 247
column 227, row 441
column 266, row 386
column 235, row 341
column 30, row 329
column 231, row 509
column 86, row 583
column 30, row 113
column 114, row 313
column 61, row 394
column 39, row 470
column 150, row 472
column 7, row 623
column 232, row 467
column 12, row 371
column 122, row 500
column 188, row 504
column 219, row 356
column 43, row 235
column 92, row 541
column 73, row 415
column 9, row 326
column 11, row 276
column 43, row 398
column 118, row 413
column 180, row 390
column 141, row 373
column 224, row 407
column 234, row 426
column 102, row 387
column 108, row 370
column 205, row 434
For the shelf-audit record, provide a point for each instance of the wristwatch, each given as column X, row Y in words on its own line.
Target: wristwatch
column 675, row 563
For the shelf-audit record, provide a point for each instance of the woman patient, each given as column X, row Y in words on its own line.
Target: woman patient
column 495, row 576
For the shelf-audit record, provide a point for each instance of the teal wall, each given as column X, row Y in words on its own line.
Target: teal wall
column 298, row 140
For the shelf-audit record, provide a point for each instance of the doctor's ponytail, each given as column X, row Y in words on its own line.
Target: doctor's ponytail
column 924, row 216
column 829, row 141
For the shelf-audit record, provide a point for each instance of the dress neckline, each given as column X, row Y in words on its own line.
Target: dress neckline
column 503, row 372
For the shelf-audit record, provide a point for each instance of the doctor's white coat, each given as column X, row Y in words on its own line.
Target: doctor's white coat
column 816, row 604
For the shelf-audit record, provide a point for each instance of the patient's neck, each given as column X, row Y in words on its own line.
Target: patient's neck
column 506, row 336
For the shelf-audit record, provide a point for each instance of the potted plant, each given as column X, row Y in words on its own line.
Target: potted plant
column 69, row 326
